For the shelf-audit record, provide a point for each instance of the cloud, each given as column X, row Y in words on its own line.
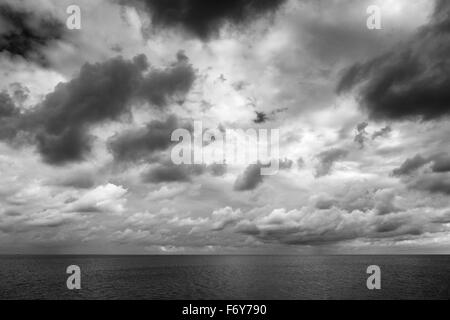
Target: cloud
column 101, row 92
column 324, row 202
column 327, row 159
column 169, row 172
column 383, row 132
column 166, row 192
column 411, row 81
column 203, row 18
column 385, row 201
column 249, row 179
column 7, row 106
column 160, row 85
column 435, row 183
column 78, row 179
column 410, row 165
column 309, row 226
column 20, row 93
column 141, row 143
column 225, row 217
column 285, row 164
column 261, row 117
column 217, row 169
column 361, row 134
column 440, row 163
column 25, row 33
column 105, row 198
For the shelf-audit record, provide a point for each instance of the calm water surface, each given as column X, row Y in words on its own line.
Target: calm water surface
column 225, row 277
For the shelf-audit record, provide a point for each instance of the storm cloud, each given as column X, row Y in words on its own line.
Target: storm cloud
column 26, row 33
column 411, row 81
column 101, row 92
column 204, row 18
column 137, row 144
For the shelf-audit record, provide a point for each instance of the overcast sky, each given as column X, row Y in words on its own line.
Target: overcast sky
column 86, row 117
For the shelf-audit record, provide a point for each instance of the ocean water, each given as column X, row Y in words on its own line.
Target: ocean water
column 225, row 277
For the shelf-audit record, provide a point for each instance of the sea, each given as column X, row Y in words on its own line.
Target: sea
column 218, row 277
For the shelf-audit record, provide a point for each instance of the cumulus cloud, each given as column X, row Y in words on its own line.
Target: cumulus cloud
column 411, row 81
column 203, row 18
column 160, row 85
column 101, row 92
column 225, row 217
column 137, row 144
column 105, row 198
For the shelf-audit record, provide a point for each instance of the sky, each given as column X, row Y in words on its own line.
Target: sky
column 86, row 117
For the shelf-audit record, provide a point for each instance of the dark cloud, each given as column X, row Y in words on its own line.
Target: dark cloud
column 261, row 117
column 411, row 81
column 8, row 117
column 159, row 85
column 327, row 159
column 204, row 18
column 410, row 165
column 7, row 106
column 140, row 143
column 26, row 33
column 169, row 172
column 441, row 163
column 101, row 92
column 436, row 183
column 388, row 226
column 250, row 178
column 383, row 132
